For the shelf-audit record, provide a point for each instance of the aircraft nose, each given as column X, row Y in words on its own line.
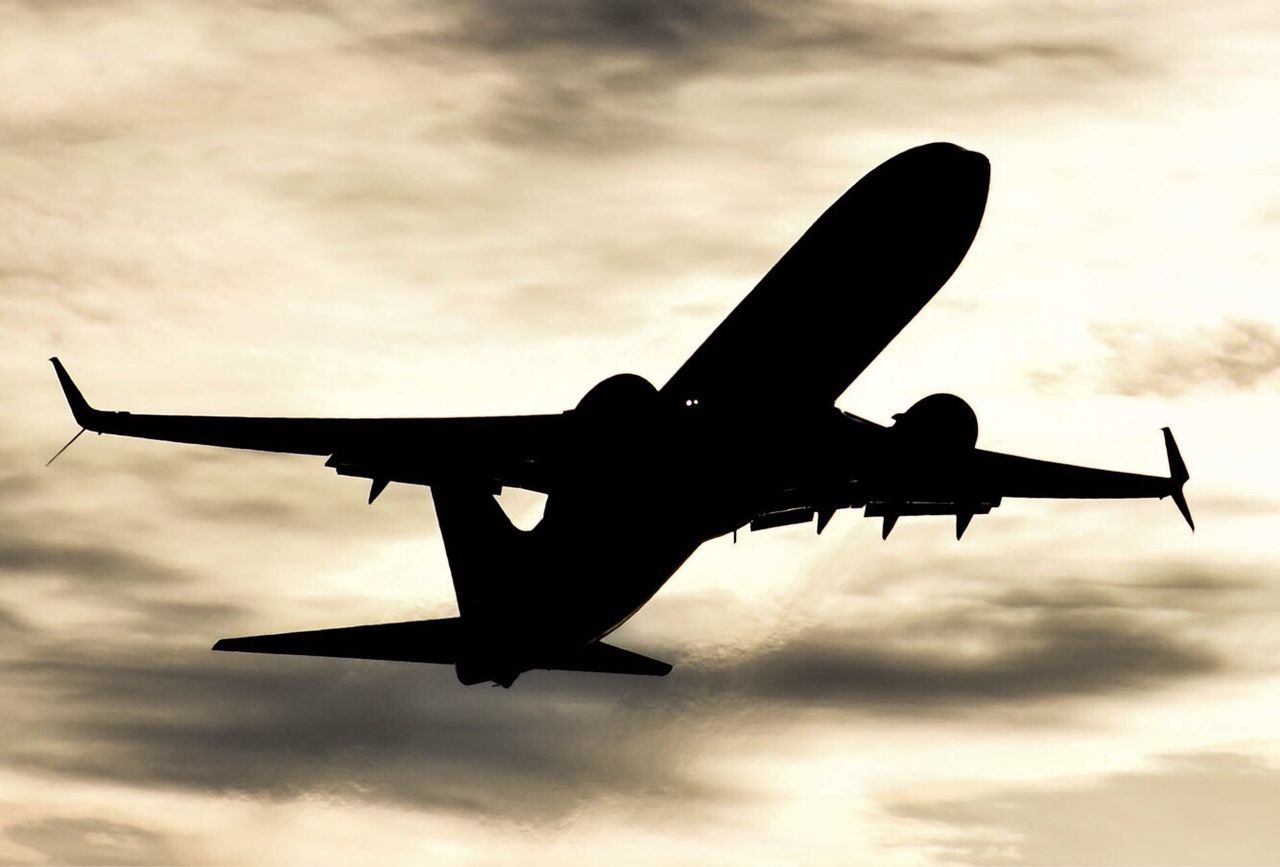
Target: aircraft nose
column 980, row 167
column 942, row 162
column 935, row 192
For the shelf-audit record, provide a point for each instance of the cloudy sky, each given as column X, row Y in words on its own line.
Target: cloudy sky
column 393, row 208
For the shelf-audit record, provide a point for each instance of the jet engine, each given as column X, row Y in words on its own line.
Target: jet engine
column 929, row 475
column 938, row 424
column 613, row 441
column 620, row 396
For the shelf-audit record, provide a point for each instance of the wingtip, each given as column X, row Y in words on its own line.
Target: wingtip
column 80, row 408
column 1177, row 467
column 1178, row 476
column 1180, row 500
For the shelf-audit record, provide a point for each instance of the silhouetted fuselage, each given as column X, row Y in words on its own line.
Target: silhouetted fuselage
column 645, row 485
column 744, row 433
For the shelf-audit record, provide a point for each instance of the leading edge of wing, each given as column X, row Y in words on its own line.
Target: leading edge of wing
column 847, row 287
column 507, row 440
column 1004, row 475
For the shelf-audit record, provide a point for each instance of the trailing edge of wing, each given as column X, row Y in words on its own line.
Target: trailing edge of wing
column 412, row 641
column 999, row 475
column 505, row 450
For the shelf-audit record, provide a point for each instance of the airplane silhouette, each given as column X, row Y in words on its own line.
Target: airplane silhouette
column 745, row 433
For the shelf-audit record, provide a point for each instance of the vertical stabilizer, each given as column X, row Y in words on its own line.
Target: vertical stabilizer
column 483, row 547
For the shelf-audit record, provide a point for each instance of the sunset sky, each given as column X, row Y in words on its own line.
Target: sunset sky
column 472, row 208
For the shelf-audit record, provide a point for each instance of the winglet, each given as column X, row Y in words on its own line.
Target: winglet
column 84, row 414
column 1178, row 477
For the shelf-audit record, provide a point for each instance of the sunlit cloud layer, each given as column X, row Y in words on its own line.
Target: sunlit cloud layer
column 478, row 208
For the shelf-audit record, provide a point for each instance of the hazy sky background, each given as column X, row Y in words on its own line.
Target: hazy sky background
column 486, row 207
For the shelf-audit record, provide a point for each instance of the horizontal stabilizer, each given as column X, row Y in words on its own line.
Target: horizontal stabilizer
column 607, row 659
column 413, row 641
column 438, row 641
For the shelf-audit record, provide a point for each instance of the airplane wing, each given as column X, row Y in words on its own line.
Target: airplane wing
column 502, row 450
column 973, row 484
column 847, row 287
column 1000, row 475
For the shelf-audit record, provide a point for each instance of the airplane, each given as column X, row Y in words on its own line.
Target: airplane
column 744, row 434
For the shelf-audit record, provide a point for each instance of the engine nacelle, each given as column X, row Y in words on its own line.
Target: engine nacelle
column 613, row 441
column 940, row 423
column 622, row 396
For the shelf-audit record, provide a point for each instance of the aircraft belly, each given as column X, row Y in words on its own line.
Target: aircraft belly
column 592, row 576
column 603, row 550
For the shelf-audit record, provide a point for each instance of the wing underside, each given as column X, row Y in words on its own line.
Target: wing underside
column 1001, row 475
column 972, row 484
column 502, row 450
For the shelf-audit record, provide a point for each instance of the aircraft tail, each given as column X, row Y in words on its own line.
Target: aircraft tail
column 439, row 641
column 484, row 548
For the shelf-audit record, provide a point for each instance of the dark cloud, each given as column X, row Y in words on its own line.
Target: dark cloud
column 162, row 710
column 277, row 728
column 172, row 618
column 16, row 484
column 88, row 840
column 683, row 37
column 1241, row 355
column 281, row 727
column 12, row 626
column 601, row 75
column 966, row 659
column 1174, row 587
column 82, row 561
column 627, row 25
column 977, row 636
column 1194, row 810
